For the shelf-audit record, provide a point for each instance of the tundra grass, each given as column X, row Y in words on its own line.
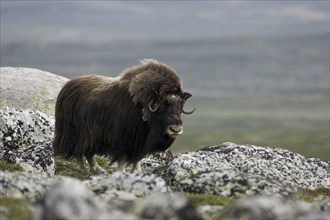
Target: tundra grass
column 203, row 199
column 309, row 143
column 72, row 169
column 299, row 123
column 11, row 208
column 309, row 195
column 10, row 167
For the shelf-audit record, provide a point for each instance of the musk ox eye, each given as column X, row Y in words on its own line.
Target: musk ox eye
column 167, row 103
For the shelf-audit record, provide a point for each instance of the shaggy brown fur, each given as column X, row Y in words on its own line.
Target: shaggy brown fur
column 127, row 117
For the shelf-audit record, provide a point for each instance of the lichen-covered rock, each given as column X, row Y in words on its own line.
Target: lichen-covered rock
column 233, row 184
column 271, row 207
column 155, row 160
column 277, row 164
column 25, row 139
column 24, row 185
column 169, row 206
column 209, row 211
column 322, row 203
column 70, row 199
column 27, row 88
column 116, row 186
column 133, row 185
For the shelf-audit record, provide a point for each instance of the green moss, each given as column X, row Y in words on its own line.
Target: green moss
column 9, row 166
column 15, row 209
column 104, row 163
column 322, row 191
column 72, row 169
column 309, row 195
column 203, row 199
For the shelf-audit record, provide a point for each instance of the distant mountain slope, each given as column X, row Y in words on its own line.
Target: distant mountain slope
column 238, row 66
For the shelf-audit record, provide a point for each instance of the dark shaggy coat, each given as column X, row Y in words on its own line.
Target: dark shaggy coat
column 116, row 116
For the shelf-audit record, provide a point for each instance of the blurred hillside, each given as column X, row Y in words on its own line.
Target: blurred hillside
column 236, row 66
column 258, row 70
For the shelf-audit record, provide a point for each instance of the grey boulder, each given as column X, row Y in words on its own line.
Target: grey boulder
column 28, row 88
column 69, row 199
column 244, row 163
column 24, row 185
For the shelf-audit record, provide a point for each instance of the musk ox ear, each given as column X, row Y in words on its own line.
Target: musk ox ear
column 154, row 105
column 143, row 89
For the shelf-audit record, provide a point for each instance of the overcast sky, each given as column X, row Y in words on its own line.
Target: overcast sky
column 107, row 20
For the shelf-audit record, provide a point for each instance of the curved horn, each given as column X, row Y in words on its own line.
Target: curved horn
column 153, row 109
column 188, row 113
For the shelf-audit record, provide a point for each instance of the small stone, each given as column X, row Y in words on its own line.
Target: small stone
column 170, row 206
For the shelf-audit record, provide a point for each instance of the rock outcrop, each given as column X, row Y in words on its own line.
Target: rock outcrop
column 252, row 170
column 26, row 137
column 261, row 182
column 227, row 181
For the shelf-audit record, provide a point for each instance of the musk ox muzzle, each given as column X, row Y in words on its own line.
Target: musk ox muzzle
column 174, row 130
column 127, row 117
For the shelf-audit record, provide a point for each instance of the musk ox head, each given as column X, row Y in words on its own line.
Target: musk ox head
column 157, row 89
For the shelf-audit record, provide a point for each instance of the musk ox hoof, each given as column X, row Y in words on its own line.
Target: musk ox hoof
column 137, row 167
column 97, row 169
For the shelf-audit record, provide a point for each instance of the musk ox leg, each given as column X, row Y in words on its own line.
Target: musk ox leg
column 137, row 166
column 122, row 165
column 94, row 166
column 81, row 164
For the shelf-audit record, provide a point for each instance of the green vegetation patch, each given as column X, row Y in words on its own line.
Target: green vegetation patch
column 15, row 209
column 321, row 191
column 203, row 199
column 9, row 166
column 71, row 168
column 309, row 195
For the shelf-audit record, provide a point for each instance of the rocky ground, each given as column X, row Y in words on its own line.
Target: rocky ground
column 227, row 181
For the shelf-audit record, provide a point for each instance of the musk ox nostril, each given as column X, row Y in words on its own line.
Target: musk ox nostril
column 174, row 130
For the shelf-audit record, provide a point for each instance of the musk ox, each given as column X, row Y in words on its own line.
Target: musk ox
column 127, row 117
